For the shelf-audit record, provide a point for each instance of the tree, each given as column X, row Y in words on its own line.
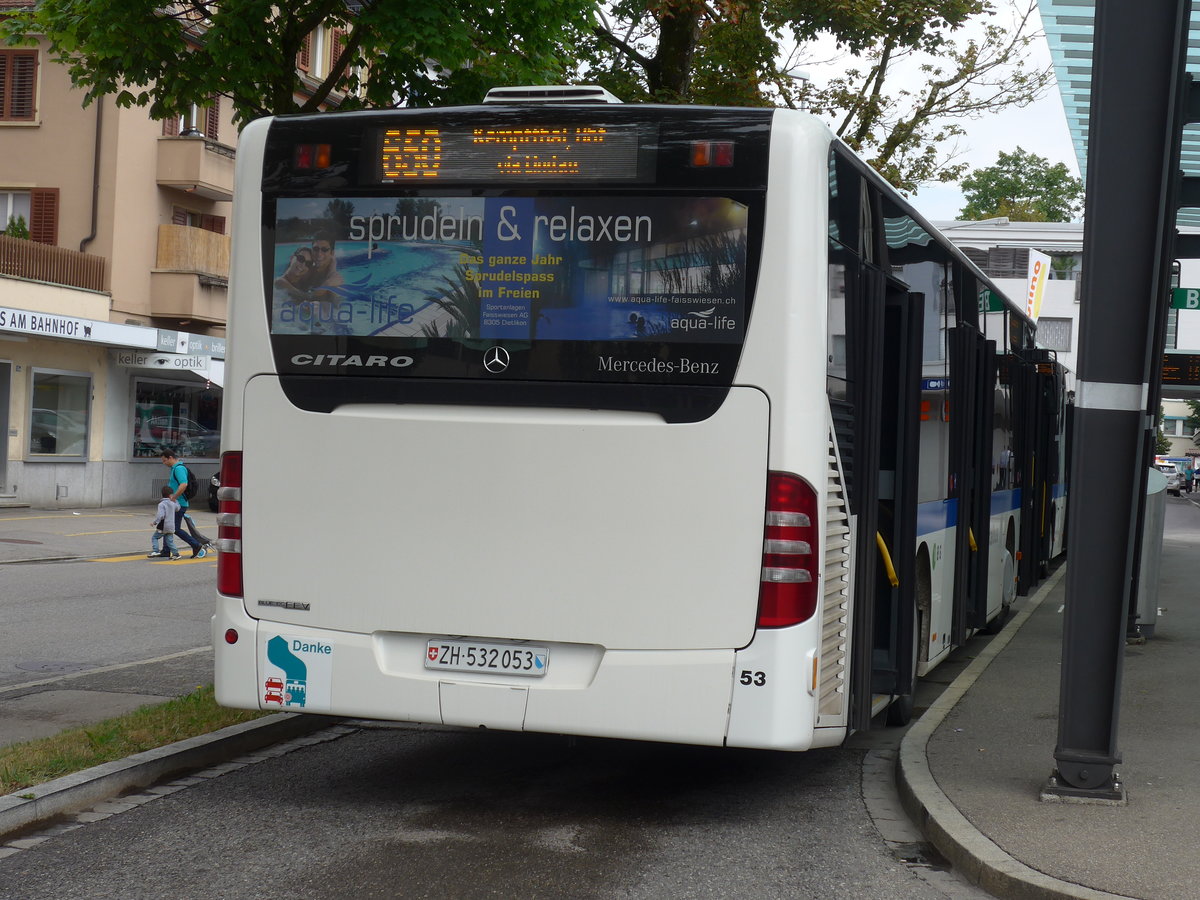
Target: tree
column 1192, row 422
column 17, row 228
column 1162, row 444
column 1024, row 187
column 734, row 52
column 172, row 56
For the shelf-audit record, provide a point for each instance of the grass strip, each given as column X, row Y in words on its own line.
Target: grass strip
column 34, row 762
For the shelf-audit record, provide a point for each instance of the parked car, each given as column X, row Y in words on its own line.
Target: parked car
column 187, row 436
column 214, row 485
column 56, row 431
column 1174, row 477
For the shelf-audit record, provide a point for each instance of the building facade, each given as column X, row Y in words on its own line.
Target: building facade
column 1002, row 248
column 112, row 309
column 113, row 282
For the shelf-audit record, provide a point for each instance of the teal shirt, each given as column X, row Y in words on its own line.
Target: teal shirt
column 176, row 481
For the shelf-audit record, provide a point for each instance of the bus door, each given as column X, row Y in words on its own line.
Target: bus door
column 888, row 371
column 1038, row 390
column 972, row 375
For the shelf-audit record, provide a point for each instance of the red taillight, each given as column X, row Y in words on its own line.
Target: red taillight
column 788, row 592
column 706, row 154
column 307, row 157
column 229, row 525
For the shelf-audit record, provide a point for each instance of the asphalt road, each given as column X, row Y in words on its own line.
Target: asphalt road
column 415, row 811
column 70, row 616
column 419, row 812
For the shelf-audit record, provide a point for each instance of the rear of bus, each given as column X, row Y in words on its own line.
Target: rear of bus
column 511, row 465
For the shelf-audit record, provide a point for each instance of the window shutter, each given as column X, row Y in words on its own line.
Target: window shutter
column 43, row 215
column 213, row 223
column 337, row 43
column 179, row 215
column 18, row 84
column 171, row 126
column 212, row 118
column 304, row 57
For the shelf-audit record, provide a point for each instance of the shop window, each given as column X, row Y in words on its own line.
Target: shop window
column 185, row 418
column 58, row 415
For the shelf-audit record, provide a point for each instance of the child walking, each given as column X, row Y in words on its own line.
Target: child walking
column 164, row 527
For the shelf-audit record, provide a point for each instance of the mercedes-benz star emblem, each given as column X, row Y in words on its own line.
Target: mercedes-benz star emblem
column 496, row 359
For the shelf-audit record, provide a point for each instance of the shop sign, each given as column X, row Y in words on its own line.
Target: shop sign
column 168, row 362
column 24, row 321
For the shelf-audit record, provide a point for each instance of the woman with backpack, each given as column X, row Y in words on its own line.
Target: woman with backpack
column 181, row 481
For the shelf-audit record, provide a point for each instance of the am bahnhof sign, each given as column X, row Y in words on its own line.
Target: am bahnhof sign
column 177, row 350
column 25, row 321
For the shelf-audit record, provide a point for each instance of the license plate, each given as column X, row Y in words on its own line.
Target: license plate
column 469, row 656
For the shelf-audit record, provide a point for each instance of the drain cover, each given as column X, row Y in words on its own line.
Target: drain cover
column 52, row 665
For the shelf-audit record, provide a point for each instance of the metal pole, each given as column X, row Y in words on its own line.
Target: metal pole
column 1137, row 66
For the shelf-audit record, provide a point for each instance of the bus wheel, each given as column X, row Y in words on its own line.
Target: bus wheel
column 1008, row 591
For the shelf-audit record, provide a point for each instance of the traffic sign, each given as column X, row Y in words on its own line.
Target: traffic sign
column 1185, row 298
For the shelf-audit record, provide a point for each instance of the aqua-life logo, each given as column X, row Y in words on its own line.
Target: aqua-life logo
column 297, row 673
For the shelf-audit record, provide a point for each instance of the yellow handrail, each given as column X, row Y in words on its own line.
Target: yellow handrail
column 887, row 560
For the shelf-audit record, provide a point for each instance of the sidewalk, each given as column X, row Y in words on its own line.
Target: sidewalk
column 971, row 769
column 28, row 533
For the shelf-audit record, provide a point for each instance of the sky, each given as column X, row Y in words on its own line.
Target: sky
column 1040, row 128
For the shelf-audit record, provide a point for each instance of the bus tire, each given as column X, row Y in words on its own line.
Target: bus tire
column 1008, row 591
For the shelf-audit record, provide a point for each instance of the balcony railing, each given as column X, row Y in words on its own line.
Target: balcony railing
column 53, row 265
column 184, row 248
column 191, row 274
column 196, row 165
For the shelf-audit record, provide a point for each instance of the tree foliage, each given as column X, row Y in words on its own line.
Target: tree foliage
column 1024, row 187
column 171, row 56
column 16, row 228
column 1162, row 444
column 735, row 52
column 1193, row 420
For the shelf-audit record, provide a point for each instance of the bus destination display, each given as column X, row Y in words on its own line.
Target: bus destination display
column 518, row 153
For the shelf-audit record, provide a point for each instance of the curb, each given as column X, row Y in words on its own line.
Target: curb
column 82, row 790
column 976, row 856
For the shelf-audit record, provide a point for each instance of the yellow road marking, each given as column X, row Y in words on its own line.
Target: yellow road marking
column 75, row 516
column 115, row 531
column 129, row 558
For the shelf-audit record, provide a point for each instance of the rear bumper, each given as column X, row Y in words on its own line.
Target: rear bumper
column 680, row 696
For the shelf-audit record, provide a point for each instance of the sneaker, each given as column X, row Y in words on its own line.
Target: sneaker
column 154, row 555
column 199, row 553
column 175, row 556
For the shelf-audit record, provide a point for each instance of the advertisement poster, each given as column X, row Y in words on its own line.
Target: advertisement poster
column 496, row 268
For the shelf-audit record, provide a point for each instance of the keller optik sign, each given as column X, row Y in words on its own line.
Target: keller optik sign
column 168, row 362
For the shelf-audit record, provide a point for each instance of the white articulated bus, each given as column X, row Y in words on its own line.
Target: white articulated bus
column 649, row 422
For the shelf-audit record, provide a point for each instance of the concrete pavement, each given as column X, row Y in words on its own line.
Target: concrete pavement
column 970, row 769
